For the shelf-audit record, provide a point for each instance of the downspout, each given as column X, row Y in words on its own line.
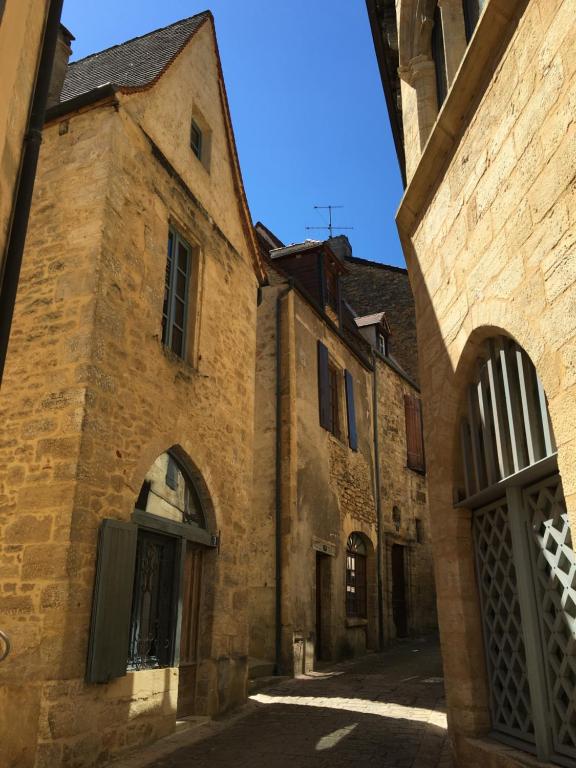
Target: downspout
column 378, row 504
column 278, row 498
column 29, row 163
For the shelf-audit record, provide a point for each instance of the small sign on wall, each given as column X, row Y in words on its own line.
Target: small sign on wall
column 326, row 547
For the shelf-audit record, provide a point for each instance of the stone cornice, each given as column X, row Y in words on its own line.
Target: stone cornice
column 493, row 33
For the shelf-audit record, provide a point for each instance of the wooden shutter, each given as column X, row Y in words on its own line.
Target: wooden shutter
column 112, row 601
column 351, row 408
column 324, row 399
column 414, row 437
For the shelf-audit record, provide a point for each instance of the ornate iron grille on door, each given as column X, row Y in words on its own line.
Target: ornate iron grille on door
column 526, row 564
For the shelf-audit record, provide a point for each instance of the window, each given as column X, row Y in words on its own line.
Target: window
column 439, row 57
column 382, row 344
column 151, row 626
column 196, row 139
column 140, row 569
column 175, row 310
column 356, row 592
column 414, row 436
column 329, row 397
column 472, row 10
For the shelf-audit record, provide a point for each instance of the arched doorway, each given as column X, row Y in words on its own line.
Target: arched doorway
column 526, row 567
column 147, row 609
column 169, row 493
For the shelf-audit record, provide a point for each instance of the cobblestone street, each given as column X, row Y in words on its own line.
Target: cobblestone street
column 383, row 710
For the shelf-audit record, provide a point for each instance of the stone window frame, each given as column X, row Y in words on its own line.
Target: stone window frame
column 190, row 352
column 202, row 152
column 417, row 67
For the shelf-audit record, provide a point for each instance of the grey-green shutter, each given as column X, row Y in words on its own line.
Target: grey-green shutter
column 324, row 388
column 351, row 408
column 112, row 601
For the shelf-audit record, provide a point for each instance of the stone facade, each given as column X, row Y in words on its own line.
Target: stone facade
column 91, row 398
column 21, row 35
column 326, row 490
column 487, row 225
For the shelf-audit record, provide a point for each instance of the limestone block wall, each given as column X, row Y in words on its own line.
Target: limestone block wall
column 489, row 239
column 90, row 399
column 405, row 489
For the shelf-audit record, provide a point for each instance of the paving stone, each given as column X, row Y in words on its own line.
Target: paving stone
column 386, row 709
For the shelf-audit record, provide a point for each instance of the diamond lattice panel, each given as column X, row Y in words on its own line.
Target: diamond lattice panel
column 555, row 567
column 510, row 694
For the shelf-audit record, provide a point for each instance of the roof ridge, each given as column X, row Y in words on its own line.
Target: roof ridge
column 379, row 264
column 206, row 13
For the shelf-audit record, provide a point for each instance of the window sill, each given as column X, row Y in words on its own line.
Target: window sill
column 187, row 368
column 356, row 622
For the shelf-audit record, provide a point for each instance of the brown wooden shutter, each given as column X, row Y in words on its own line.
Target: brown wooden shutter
column 414, row 438
column 351, row 408
column 112, row 602
column 324, row 398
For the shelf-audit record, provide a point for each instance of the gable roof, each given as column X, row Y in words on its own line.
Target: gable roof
column 132, row 65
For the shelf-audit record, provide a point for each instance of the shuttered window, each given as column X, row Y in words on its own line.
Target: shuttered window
column 351, row 408
column 175, row 310
column 112, row 602
column 414, row 437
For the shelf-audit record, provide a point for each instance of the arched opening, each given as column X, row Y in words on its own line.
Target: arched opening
column 148, row 596
column 166, row 604
column 525, row 563
column 361, row 591
column 439, row 57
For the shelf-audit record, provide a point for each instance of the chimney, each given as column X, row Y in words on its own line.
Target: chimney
column 60, row 65
column 340, row 247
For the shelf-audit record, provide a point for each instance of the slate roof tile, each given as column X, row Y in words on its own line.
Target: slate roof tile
column 133, row 64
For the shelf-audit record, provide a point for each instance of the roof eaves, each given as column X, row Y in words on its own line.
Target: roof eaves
column 101, row 93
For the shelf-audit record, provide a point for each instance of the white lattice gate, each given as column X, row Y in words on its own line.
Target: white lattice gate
column 526, row 563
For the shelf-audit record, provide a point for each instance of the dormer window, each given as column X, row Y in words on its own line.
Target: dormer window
column 196, row 139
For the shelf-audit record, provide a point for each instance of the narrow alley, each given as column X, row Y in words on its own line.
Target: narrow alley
column 385, row 710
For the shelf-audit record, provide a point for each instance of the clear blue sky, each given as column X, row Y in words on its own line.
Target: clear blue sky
column 307, row 106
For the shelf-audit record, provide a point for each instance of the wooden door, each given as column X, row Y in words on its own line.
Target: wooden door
column 190, row 628
column 399, row 607
column 318, row 645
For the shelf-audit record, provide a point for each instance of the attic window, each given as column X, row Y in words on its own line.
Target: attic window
column 383, row 344
column 196, row 139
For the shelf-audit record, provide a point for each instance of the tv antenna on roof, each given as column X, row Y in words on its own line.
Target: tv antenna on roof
column 331, row 227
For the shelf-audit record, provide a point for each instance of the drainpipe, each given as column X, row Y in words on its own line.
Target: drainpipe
column 278, row 499
column 378, row 503
column 25, row 187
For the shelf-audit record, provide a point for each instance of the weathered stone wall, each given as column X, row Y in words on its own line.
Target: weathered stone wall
column 492, row 251
column 21, row 34
column 405, row 489
column 90, row 399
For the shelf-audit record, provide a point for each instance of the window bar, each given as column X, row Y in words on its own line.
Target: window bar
column 498, row 414
column 549, row 441
column 486, row 424
column 524, row 399
column 512, row 411
column 477, row 463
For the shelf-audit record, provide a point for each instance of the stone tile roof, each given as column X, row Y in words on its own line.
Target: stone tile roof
column 135, row 64
column 370, row 287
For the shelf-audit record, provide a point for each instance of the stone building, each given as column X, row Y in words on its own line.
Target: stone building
column 338, row 483
column 481, row 98
column 128, row 411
